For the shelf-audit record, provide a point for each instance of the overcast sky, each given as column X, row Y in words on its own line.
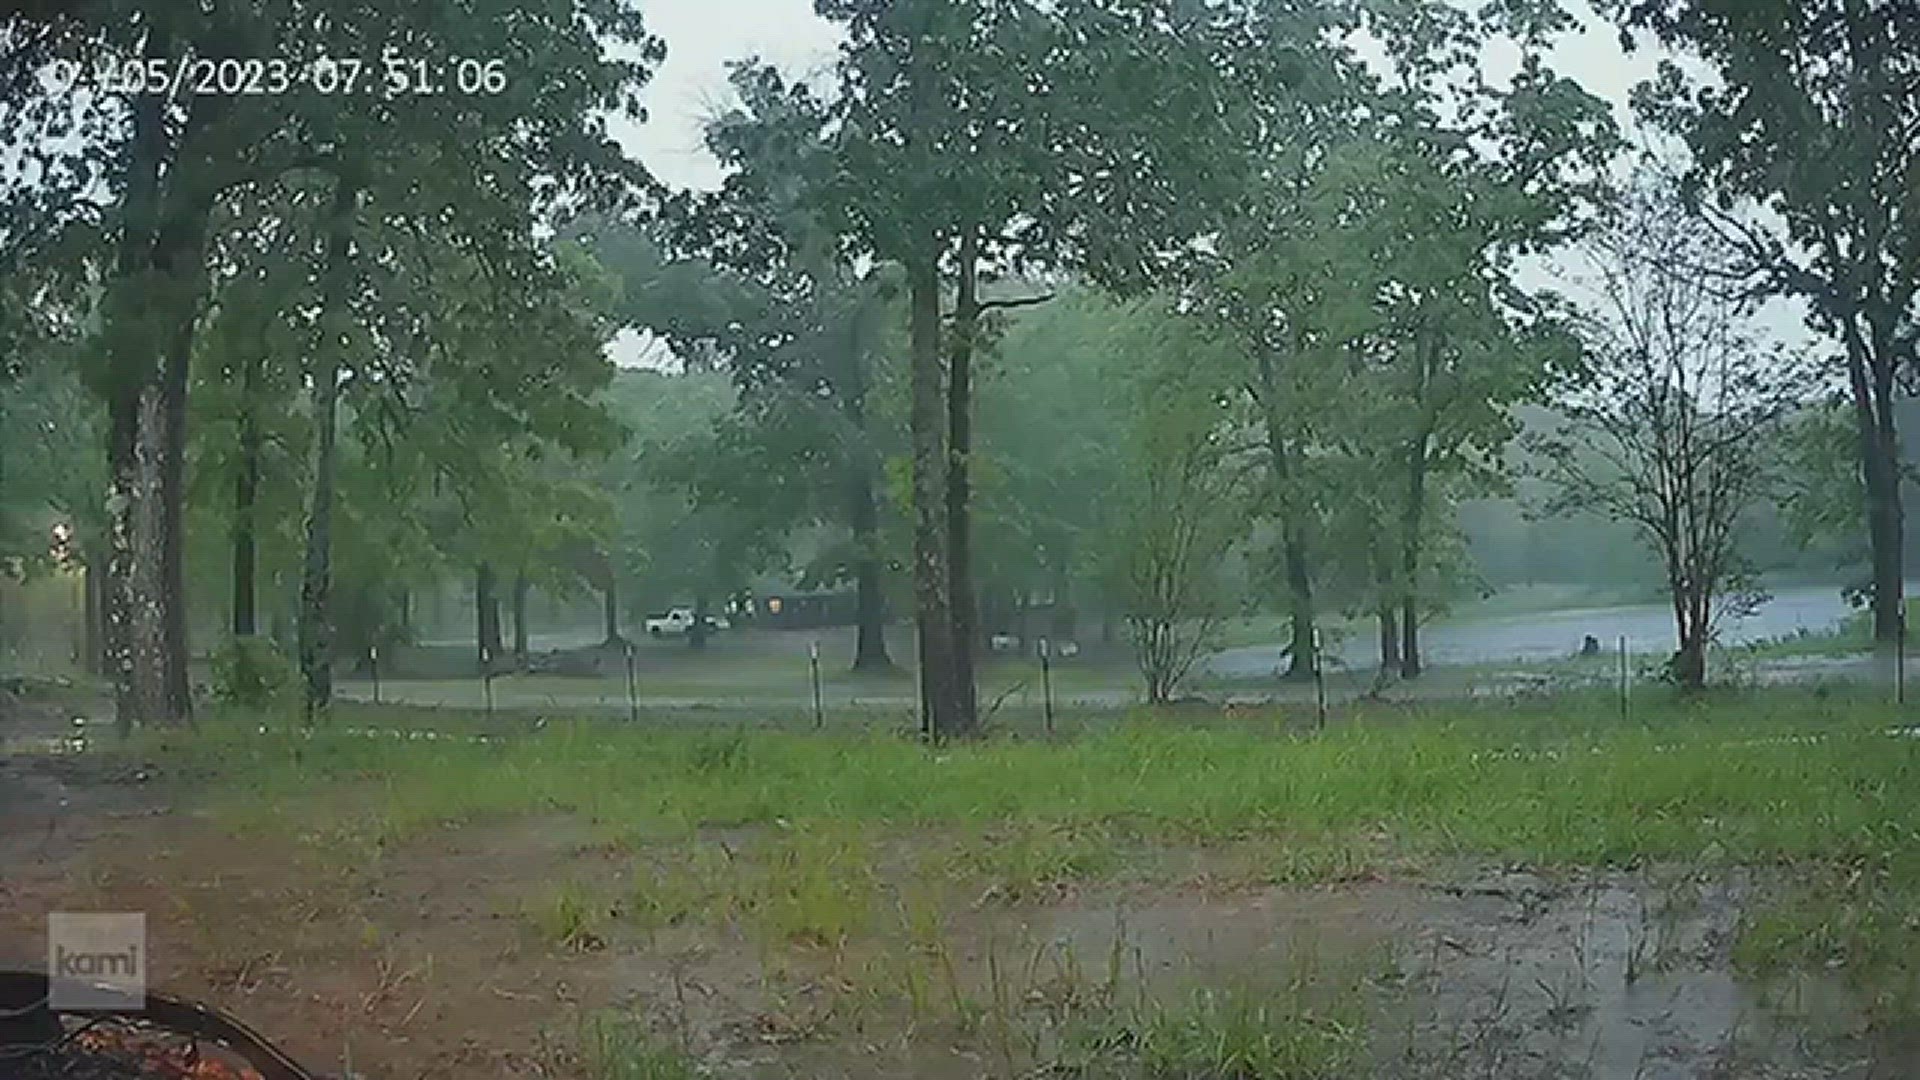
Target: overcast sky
column 703, row 35
column 701, row 38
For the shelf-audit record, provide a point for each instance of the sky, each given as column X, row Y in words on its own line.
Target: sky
column 701, row 38
column 703, row 35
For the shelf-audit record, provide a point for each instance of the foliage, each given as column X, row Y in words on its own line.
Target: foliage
column 1825, row 495
column 1183, row 504
column 252, row 673
column 49, row 472
column 1672, row 424
column 1799, row 121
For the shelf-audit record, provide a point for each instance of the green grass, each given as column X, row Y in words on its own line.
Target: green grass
column 573, row 918
column 1807, row 781
column 1430, row 777
column 1854, row 919
column 1517, row 600
column 1302, row 1026
column 1853, row 637
column 617, row 1047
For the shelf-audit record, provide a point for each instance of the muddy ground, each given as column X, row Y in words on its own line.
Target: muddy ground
column 421, row 959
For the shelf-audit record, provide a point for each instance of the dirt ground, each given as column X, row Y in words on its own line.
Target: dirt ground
column 420, row 961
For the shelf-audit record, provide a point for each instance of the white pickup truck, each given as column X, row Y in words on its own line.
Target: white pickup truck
column 678, row 621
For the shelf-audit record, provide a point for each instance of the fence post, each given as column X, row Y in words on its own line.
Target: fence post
column 813, row 662
column 1625, row 679
column 373, row 665
column 1900, row 659
column 1046, row 685
column 486, row 677
column 633, row 689
column 1319, row 685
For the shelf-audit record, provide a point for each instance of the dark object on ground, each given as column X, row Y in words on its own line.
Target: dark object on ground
column 591, row 661
column 37, row 1041
column 1590, row 646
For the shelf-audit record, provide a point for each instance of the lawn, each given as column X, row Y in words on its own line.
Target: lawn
column 1854, row 637
column 1186, row 894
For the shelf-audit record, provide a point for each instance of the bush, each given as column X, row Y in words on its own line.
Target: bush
column 252, row 673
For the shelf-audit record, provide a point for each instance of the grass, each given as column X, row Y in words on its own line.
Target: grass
column 573, row 918
column 1853, row 637
column 796, row 836
column 618, row 1047
column 1298, row 1024
column 1559, row 781
column 1856, row 920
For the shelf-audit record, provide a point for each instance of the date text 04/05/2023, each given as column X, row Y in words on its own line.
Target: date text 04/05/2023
column 394, row 74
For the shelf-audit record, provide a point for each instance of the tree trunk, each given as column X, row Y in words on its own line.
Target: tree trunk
column 870, row 645
column 1689, row 662
column 145, row 610
column 316, row 583
column 486, row 613
column 92, row 583
column 173, row 496
column 1293, row 540
column 129, row 369
column 1389, row 636
column 940, row 713
column 139, row 557
column 1690, row 666
column 1880, row 456
column 863, row 513
column 520, row 587
column 246, row 485
column 1300, row 593
column 959, row 491
column 1384, row 607
column 610, row 611
column 1411, row 523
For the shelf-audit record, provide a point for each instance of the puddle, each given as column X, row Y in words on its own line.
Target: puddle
column 1507, row 976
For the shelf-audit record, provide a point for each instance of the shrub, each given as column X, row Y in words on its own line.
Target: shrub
column 252, row 673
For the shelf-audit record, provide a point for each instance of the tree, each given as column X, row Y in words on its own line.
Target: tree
column 1372, row 289
column 803, row 334
column 1825, row 494
column 975, row 139
column 244, row 458
column 1050, row 425
column 1805, row 148
column 1674, row 425
column 1184, row 501
column 498, row 163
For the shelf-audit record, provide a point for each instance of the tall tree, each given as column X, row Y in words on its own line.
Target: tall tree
column 1184, row 500
column 1804, row 133
column 976, row 138
column 1674, row 425
column 514, row 148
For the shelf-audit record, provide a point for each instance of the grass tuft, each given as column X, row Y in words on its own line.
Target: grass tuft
column 620, row 1048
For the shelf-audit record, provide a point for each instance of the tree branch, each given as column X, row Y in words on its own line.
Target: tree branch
column 985, row 306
